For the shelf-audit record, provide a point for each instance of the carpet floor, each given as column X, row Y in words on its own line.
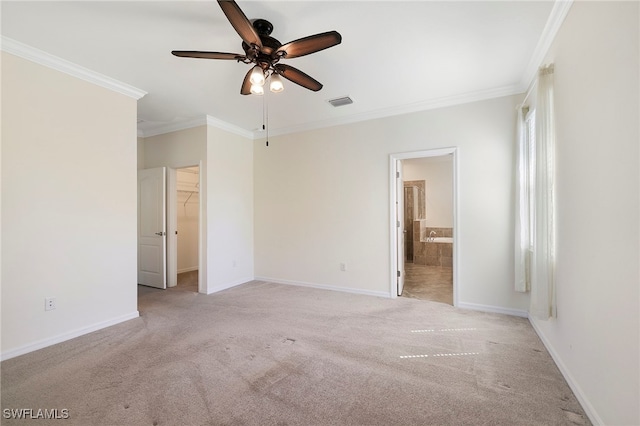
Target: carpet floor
column 269, row 354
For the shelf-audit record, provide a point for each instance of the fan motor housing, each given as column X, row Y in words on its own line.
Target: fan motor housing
column 262, row 26
column 269, row 44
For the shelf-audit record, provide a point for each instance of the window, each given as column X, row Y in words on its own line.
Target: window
column 530, row 189
column 525, row 199
column 535, row 239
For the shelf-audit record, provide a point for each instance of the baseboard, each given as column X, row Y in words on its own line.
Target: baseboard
column 228, row 285
column 66, row 336
column 326, row 287
column 493, row 309
column 193, row 268
column 577, row 390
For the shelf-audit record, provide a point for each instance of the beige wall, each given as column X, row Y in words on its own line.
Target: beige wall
column 140, row 152
column 322, row 198
column 230, row 213
column 595, row 336
column 437, row 172
column 176, row 149
column 68, row 206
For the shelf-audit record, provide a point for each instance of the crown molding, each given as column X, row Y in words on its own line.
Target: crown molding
column 207, row 120
column 554, row 22
column 43, row 58
column 231, row 128
column 161, row 129
column 399, row 110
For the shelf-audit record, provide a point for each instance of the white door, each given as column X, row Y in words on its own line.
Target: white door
column 152, row 235
column 400, row 225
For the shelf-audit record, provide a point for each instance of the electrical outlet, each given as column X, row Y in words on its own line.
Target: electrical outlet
column 343, row 266
column 49, row 303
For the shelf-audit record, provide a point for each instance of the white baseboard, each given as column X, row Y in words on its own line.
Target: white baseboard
column 577, row 390
column 493, row 309
column 193, row 268
column 326, row 287
column 228, row 285
column 12, row 353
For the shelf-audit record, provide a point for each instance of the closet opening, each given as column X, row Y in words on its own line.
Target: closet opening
column 187, row 229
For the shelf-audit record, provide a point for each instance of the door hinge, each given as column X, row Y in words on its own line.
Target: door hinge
column 397, row 224
column 398, row 274
column 397, row 175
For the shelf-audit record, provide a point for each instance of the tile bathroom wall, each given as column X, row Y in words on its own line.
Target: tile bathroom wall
column 431, row 253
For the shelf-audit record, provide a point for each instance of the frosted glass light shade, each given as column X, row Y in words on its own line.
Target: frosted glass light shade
column 276, row 85
column 257, row 89
column 257, row 76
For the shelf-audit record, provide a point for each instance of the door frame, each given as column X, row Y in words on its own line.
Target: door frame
column 172, row 226
column 399, row 226
column 393, row 216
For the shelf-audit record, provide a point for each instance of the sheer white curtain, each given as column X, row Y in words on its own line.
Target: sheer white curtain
column 544, row 248
column 522, row 206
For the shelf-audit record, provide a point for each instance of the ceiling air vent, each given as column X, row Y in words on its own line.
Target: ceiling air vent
column 345, row 100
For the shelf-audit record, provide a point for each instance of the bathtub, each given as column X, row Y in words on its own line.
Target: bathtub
column 441, row 240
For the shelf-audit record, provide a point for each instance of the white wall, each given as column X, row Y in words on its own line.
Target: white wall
column 595, row 336
column 437, row 172
column 178, row 149
column 322, row 198
column 68, row 206
column 230, row 212
column 188, row 212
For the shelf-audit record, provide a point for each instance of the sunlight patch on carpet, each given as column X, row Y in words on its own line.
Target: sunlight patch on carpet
column 442, row 329
column 439, row 355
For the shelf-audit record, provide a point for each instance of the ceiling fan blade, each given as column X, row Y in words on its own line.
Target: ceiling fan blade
column 240, row 23
column 298, row 77
column 310, row 44
column 246, row 84
column 207, row 55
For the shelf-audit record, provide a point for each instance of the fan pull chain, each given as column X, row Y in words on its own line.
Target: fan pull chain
column 265, row 103
column 263, row 116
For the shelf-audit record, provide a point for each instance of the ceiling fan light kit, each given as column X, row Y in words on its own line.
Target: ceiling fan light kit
column 257, row 76
column 257, row 89
column 276, row 84
column 265, row 52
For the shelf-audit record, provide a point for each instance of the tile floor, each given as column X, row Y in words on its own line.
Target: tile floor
column 434, row 283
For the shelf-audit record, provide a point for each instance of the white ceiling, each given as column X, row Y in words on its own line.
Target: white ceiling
column 395, row 56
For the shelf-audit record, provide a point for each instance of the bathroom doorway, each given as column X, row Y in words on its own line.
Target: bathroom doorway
column 188, row 228
column 428, row 219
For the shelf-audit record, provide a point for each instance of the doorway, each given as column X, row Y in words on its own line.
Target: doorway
column 424, row 212
column 187, row 231
column 162, row 203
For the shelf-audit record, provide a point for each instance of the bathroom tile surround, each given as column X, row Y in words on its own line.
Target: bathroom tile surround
column 431, row 253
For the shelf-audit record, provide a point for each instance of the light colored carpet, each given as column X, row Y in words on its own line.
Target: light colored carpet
column 268, row 354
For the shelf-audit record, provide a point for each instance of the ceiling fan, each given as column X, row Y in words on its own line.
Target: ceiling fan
column 266, row 52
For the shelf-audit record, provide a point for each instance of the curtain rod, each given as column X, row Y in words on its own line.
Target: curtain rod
column 547, row 69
